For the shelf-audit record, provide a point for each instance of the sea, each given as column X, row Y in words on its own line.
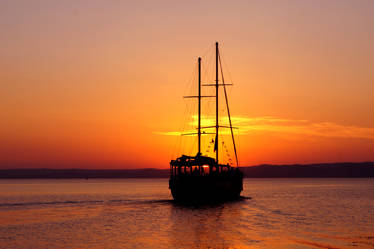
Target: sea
column 140, row 213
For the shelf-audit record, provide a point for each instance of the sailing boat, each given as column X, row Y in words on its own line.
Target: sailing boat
column 199, row 178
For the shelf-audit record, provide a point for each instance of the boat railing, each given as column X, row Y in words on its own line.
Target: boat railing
column 178, row 171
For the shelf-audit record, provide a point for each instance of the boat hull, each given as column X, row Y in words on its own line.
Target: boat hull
column 205, row 189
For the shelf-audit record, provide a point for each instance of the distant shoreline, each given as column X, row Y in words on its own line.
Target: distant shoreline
column 322, row 170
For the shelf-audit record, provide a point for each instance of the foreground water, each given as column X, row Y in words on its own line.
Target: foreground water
column 139, row 213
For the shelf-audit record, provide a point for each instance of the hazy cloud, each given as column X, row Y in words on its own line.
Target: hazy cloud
column 248, row 125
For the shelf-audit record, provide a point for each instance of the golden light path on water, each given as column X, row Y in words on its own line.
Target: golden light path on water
column 139, row 213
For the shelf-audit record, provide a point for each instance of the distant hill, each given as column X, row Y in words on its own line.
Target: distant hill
column 84, row 173
column 349, row 170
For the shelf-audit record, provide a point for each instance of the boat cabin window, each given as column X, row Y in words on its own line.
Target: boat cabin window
column 205, row 169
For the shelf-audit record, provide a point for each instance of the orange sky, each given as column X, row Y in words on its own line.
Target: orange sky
column 99, row 84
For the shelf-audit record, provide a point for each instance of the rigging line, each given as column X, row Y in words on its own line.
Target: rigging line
column 186, row 115
column 229, row 73
column 182, row 125
column 206, row 66
column 224, row 148
column 192, row 146
column 190, row 121
column 207, row 50
column 228, row 70
column 187, row 110
column 206, row 54
column 228, row 110
column 210, row 74
column 189, row 85
column 239, row 140
column 191, row 90
column 178, row 141
column 206, row 78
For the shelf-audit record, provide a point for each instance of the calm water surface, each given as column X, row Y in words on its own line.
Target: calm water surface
column 139, row 213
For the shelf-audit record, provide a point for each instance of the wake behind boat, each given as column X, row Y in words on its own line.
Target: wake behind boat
column 199, row 178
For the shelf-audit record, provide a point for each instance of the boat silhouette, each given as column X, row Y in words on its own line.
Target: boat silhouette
column 201, row 179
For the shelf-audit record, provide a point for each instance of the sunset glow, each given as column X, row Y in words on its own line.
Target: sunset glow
column 88, row 84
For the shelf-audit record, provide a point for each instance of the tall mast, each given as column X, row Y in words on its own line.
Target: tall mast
column 216, row 145
column 199, row 112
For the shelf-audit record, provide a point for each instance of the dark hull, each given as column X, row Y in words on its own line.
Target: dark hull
column 205, row 189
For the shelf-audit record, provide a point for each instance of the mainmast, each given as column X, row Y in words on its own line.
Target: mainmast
column 216, row 145
column 199, row 112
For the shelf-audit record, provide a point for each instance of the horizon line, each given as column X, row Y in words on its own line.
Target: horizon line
column 263, row 164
